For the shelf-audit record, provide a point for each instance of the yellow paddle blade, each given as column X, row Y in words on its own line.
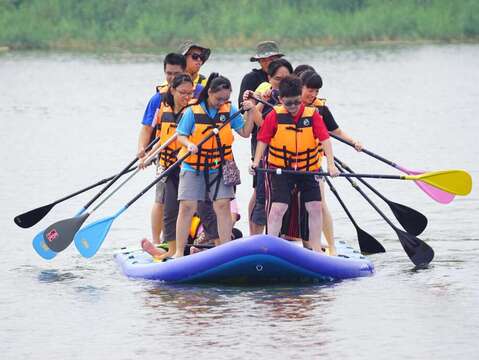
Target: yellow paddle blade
column 457, row 182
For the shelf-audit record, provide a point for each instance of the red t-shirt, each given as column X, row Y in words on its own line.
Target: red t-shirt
column 270, row 125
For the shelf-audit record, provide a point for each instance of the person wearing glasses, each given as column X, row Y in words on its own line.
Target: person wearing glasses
column 296, row 137
column 202, row 172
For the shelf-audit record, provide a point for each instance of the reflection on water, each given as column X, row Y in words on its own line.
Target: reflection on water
column 68, row 120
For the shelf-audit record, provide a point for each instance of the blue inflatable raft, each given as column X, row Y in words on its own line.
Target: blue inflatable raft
column 259, row 259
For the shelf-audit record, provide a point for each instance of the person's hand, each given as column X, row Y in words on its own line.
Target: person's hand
column 192, row 148
column 357, row 145
column 142, row 163
column 333, row 170
column 248, row 105
column 248, row 95
column 252, row 168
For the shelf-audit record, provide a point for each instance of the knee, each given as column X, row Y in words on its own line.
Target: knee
column 187, row 207
column 277, row 211
column 222, row 207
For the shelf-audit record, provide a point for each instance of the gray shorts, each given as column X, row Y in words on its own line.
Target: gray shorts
column 193, row 187
column 160, row 192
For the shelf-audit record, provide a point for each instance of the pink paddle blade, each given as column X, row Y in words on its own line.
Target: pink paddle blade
column 435, row 193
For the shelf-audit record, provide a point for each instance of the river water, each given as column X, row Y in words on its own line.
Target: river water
column 68, row 120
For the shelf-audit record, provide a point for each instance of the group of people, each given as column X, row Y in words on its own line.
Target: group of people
column 280, row 109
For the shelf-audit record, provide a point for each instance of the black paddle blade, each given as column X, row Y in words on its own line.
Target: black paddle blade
column 411, row 220
column 59, row 235
column 420, row 253
column 368, row 244
column 30, row 218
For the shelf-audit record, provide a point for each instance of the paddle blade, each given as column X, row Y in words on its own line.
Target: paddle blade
column 420, row 253
column 30, row 218
column 411, row 220
column 59, row 235
column 434, row 193
column 368, row 244
column 89, row 239
column 41, row 247
column 457, row 182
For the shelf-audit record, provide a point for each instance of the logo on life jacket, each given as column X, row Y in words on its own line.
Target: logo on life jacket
column 222, row 118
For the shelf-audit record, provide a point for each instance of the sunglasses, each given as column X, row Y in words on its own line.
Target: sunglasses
column 289, row 103
column 196, row 56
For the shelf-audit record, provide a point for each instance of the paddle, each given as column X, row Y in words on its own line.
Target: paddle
column 59, row 235
column 420, row 253
column 90, row 238
column 453, row 181
column 440, row 195
column 367, row 243
column 411, row 220
column 32, row 217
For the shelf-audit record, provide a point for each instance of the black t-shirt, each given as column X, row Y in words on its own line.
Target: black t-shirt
column 251, row 81
column 328, row 118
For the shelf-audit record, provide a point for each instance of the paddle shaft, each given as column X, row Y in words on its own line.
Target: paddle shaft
column 347, row 175
column 117, row 176
column 369, row 186
column 370, row 153
column 148, row 160
column 181, row 159
column 356, row 186
column 343, row 205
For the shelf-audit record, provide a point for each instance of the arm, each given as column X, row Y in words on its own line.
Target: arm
column 328, row 151
column 341, row 133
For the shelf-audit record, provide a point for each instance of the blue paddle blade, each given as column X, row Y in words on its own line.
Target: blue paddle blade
column 42, row 248
column 89, row 239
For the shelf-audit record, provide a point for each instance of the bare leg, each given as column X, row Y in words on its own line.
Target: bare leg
column 156, row 222
column 252, row 200
column 223, row 215
column 328, row 229
column 185, row 214
column 275, row 218
column 315, row 224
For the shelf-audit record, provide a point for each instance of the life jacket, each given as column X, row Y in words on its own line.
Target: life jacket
column 217, row 149
column 294, row 145
column 166, row 128
column 318, row 102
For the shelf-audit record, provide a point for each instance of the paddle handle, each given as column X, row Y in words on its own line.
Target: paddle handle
column 117, row 176
column 279, row 171
column 178, row 162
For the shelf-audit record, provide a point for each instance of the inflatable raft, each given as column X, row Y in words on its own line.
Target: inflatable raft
column 260, row 259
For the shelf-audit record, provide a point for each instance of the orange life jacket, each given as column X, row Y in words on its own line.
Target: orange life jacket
column 294, row 145
column 318, row 102
column 216, row 150
column 166, row 128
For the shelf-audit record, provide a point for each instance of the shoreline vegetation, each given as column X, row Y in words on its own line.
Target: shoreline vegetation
column 149, row 25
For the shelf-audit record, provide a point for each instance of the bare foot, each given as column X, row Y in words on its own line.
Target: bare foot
column 151, row 249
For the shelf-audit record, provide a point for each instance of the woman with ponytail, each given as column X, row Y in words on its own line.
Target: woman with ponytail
column 202, row 172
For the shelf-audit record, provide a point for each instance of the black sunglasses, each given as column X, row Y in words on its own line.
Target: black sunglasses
column 290, row 103
column 196, row 56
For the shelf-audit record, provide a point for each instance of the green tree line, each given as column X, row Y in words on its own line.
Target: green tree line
column 229, row 24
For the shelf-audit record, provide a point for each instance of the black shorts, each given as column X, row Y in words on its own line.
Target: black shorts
column 282, row 185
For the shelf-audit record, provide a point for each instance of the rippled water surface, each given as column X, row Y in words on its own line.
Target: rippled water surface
column 68, row 120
